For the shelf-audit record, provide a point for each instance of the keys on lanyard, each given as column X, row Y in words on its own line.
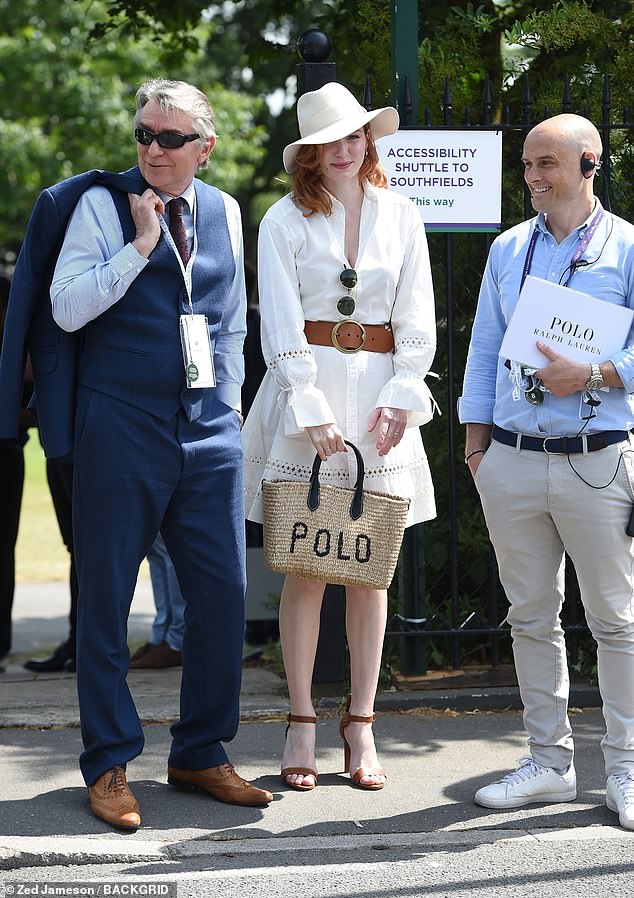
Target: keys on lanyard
column 535, row 396
column 525, row 382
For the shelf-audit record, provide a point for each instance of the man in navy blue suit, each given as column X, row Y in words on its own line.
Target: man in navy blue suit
column 157, row 292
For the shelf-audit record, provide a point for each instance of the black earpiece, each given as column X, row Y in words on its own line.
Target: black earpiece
column 587, row 165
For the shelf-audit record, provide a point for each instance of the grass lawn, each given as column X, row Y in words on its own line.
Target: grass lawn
column 40, row 552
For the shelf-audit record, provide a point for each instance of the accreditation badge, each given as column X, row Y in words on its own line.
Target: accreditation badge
column 197, row 357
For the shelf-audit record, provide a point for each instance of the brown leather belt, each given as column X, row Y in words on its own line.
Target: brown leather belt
column 350, row 336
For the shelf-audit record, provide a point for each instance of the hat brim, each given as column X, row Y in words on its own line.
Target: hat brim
column 382, row 122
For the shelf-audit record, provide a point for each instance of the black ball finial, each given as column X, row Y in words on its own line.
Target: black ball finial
column 314, row 45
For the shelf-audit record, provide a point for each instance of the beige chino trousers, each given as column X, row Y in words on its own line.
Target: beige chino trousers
column 537, row 508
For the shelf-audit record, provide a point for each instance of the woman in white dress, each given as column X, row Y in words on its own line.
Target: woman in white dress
column 340, row 248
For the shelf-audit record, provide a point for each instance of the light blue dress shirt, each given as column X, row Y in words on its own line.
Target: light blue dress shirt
column 487, row 396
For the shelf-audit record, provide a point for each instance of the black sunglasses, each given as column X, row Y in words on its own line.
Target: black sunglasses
column 346, row 304
column 168, row 140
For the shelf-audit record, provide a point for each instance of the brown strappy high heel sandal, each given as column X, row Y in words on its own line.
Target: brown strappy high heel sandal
column 360, row 772
column 303, row 771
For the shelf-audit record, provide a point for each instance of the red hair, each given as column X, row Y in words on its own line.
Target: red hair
column 308, row 189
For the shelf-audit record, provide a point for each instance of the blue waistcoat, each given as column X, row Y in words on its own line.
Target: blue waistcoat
column 132, row 351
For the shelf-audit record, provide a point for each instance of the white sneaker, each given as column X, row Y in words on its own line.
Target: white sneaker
column 619, row 797
column 529, row 784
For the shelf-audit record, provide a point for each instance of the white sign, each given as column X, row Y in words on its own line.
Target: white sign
column 454, row 177
column 574, row 324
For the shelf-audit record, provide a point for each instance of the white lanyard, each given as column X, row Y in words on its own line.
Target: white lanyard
column 195, row 342
column 187, row 270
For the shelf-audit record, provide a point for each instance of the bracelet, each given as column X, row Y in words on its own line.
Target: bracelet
column 471, row 454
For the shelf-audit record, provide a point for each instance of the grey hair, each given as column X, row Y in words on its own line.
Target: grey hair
column 179, row 96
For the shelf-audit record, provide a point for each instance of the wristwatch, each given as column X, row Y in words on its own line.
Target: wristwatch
column 595, row 381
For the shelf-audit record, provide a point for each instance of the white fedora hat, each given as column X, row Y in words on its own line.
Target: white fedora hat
column 331, row 113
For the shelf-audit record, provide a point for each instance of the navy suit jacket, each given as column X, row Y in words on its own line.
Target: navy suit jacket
column 29, row 325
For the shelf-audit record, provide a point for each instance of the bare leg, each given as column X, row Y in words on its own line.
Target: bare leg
column 366, row 614
column 300, row 610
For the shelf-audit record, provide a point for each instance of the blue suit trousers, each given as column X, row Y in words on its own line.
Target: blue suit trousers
column 135, row 474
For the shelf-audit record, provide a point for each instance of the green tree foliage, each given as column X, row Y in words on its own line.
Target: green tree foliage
column 252, row 45
column 252, row 42
column 67, row 103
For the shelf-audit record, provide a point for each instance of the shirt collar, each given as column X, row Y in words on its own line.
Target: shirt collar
column 189, row 195
column 540, row 221
column 369, row 192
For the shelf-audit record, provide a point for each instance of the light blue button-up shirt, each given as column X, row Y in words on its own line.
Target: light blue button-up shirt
column 487, row 396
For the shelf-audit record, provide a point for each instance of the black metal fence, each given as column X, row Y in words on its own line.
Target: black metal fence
column 451, row 606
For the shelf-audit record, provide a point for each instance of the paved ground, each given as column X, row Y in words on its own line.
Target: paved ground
column 420, row 836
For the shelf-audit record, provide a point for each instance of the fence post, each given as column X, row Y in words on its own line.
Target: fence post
column 411, row 579
column 313, row 72
column 405, row 59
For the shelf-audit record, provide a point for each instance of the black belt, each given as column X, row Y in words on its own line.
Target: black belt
column 559, row 445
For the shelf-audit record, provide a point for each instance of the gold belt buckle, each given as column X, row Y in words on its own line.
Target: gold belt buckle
column 334, row 336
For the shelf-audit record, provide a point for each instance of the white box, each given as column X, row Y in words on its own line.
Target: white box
column 574, row 324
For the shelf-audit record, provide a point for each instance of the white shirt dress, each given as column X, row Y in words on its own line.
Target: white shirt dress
column 299, row 263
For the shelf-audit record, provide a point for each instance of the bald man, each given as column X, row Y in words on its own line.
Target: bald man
column 551, row 456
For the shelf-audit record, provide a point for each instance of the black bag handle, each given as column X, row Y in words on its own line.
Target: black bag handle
column 356, row 506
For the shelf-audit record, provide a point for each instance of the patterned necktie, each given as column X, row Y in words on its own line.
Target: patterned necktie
column 177, row 227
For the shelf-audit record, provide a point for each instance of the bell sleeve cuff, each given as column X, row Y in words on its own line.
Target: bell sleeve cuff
column 409, row 391
column 306, row 406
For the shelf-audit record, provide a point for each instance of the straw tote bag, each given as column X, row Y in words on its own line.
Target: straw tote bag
column 350, row 537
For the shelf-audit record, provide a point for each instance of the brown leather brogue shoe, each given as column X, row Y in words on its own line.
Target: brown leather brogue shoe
column 221, row 782
column 111, row 799
column 140, row 652
column 157, row 657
